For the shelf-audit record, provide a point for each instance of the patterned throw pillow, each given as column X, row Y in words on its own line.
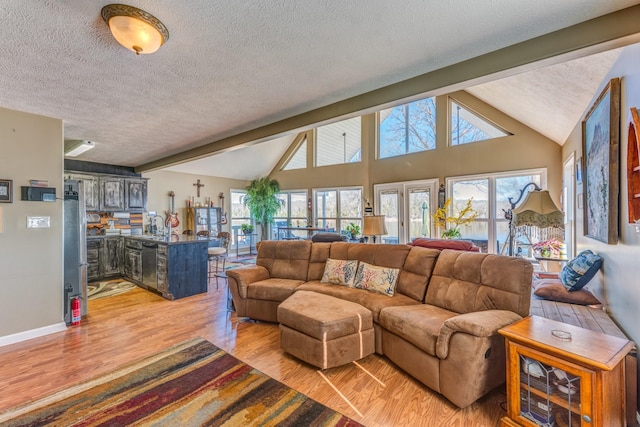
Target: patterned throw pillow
column 580, row 270
column 377, row 279
column 339, row 272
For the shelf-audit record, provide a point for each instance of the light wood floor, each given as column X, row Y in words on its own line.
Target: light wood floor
column 124, row 328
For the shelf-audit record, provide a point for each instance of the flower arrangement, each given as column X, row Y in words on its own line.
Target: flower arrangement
column 549, row 247
column 353, row 230
column 464, row 217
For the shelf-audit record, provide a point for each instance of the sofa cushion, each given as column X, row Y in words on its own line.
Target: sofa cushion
column 376, row 279
column 419, row 324
column 340, row 272
column 464, row 282
column 415, row 263
column 272, row 289
column 287, row 259
column 455, row 244
column 372, row 301
column 416, row 272
column 317, row 260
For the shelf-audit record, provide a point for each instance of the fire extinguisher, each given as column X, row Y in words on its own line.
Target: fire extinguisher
column 76, row 311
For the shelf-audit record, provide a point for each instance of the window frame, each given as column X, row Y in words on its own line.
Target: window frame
column 239, row 220
column 339, row 218
column 316, row 144
column 450, row 127
column 494, row 217
column 406, row 142
column 289, row 219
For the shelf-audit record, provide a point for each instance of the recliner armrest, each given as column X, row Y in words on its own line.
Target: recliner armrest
column 480, row 324
column 246, row 275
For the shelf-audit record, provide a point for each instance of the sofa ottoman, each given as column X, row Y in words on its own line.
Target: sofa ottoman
column 325, row 331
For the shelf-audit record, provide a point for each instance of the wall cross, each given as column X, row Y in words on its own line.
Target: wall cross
column 197, row 184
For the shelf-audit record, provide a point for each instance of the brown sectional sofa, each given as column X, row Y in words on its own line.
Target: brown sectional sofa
column 441, row 324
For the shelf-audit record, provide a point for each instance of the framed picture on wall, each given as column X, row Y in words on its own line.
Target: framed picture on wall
column 600, row 147
column 6, row 191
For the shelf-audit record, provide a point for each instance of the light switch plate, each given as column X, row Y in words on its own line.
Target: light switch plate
column 38, row 222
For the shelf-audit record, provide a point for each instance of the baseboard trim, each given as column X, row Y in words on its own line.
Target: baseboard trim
column 33, row 333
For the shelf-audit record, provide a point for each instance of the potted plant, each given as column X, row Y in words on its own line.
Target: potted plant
column 451, row 224
column 246, row 228
column 263, row 202
column 353, row 230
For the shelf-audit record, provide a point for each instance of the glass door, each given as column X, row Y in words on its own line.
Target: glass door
column 408, row 209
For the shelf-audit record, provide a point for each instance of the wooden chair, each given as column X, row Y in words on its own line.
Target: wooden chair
column 218, row 253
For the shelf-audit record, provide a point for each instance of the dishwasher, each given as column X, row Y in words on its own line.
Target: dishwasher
column 149, row 276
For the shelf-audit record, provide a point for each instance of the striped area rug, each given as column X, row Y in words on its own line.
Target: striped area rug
column 192, row 384
column 108, row 288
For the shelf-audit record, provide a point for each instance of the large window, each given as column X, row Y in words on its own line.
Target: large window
column 336, row 208
column 467, row 127
column 292, row 212
column 240, row 214
column 339, row 143
column 299, row 158
column 408, row 128
column 490, row 197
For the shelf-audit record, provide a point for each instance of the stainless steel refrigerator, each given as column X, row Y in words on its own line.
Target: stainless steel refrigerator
column 75, row 247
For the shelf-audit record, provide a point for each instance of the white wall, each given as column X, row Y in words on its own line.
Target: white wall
column 618, row 286
column 161, row 182
column 31, row 266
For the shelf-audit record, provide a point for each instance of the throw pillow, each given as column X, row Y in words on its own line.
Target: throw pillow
column 580, row 270
column 377, row 279
column 554, row 290
column 339, row 272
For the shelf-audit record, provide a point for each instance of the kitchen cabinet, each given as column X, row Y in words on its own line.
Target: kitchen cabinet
column 111, row 194
column 184, row 272
column 179, row 267
column 560, row 374
column 93, row 259
column 91, row 190
column 135, row 194
column 200, row 219
column 132, row 262
column 161, row 269
column 111, row 257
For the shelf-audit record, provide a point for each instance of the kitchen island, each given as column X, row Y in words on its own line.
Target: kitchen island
column 175, row 267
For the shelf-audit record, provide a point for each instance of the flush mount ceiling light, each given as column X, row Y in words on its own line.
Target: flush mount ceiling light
column 75, row 148
column 134, row 28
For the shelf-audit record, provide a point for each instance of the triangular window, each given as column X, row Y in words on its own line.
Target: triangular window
column 299, row 158
column 467, row 126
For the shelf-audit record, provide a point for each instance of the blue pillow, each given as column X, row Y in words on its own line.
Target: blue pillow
column 580, row 270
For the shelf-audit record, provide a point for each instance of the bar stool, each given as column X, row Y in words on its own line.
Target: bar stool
column 219, row 253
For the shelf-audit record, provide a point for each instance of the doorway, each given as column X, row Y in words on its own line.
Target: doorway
column 408, row 209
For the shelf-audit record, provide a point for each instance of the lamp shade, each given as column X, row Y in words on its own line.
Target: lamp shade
column 134, row 28
column 538, row 210
column 374, row 225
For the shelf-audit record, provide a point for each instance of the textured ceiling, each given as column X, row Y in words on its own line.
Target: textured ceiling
column 231, row 66
column 552, row 99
